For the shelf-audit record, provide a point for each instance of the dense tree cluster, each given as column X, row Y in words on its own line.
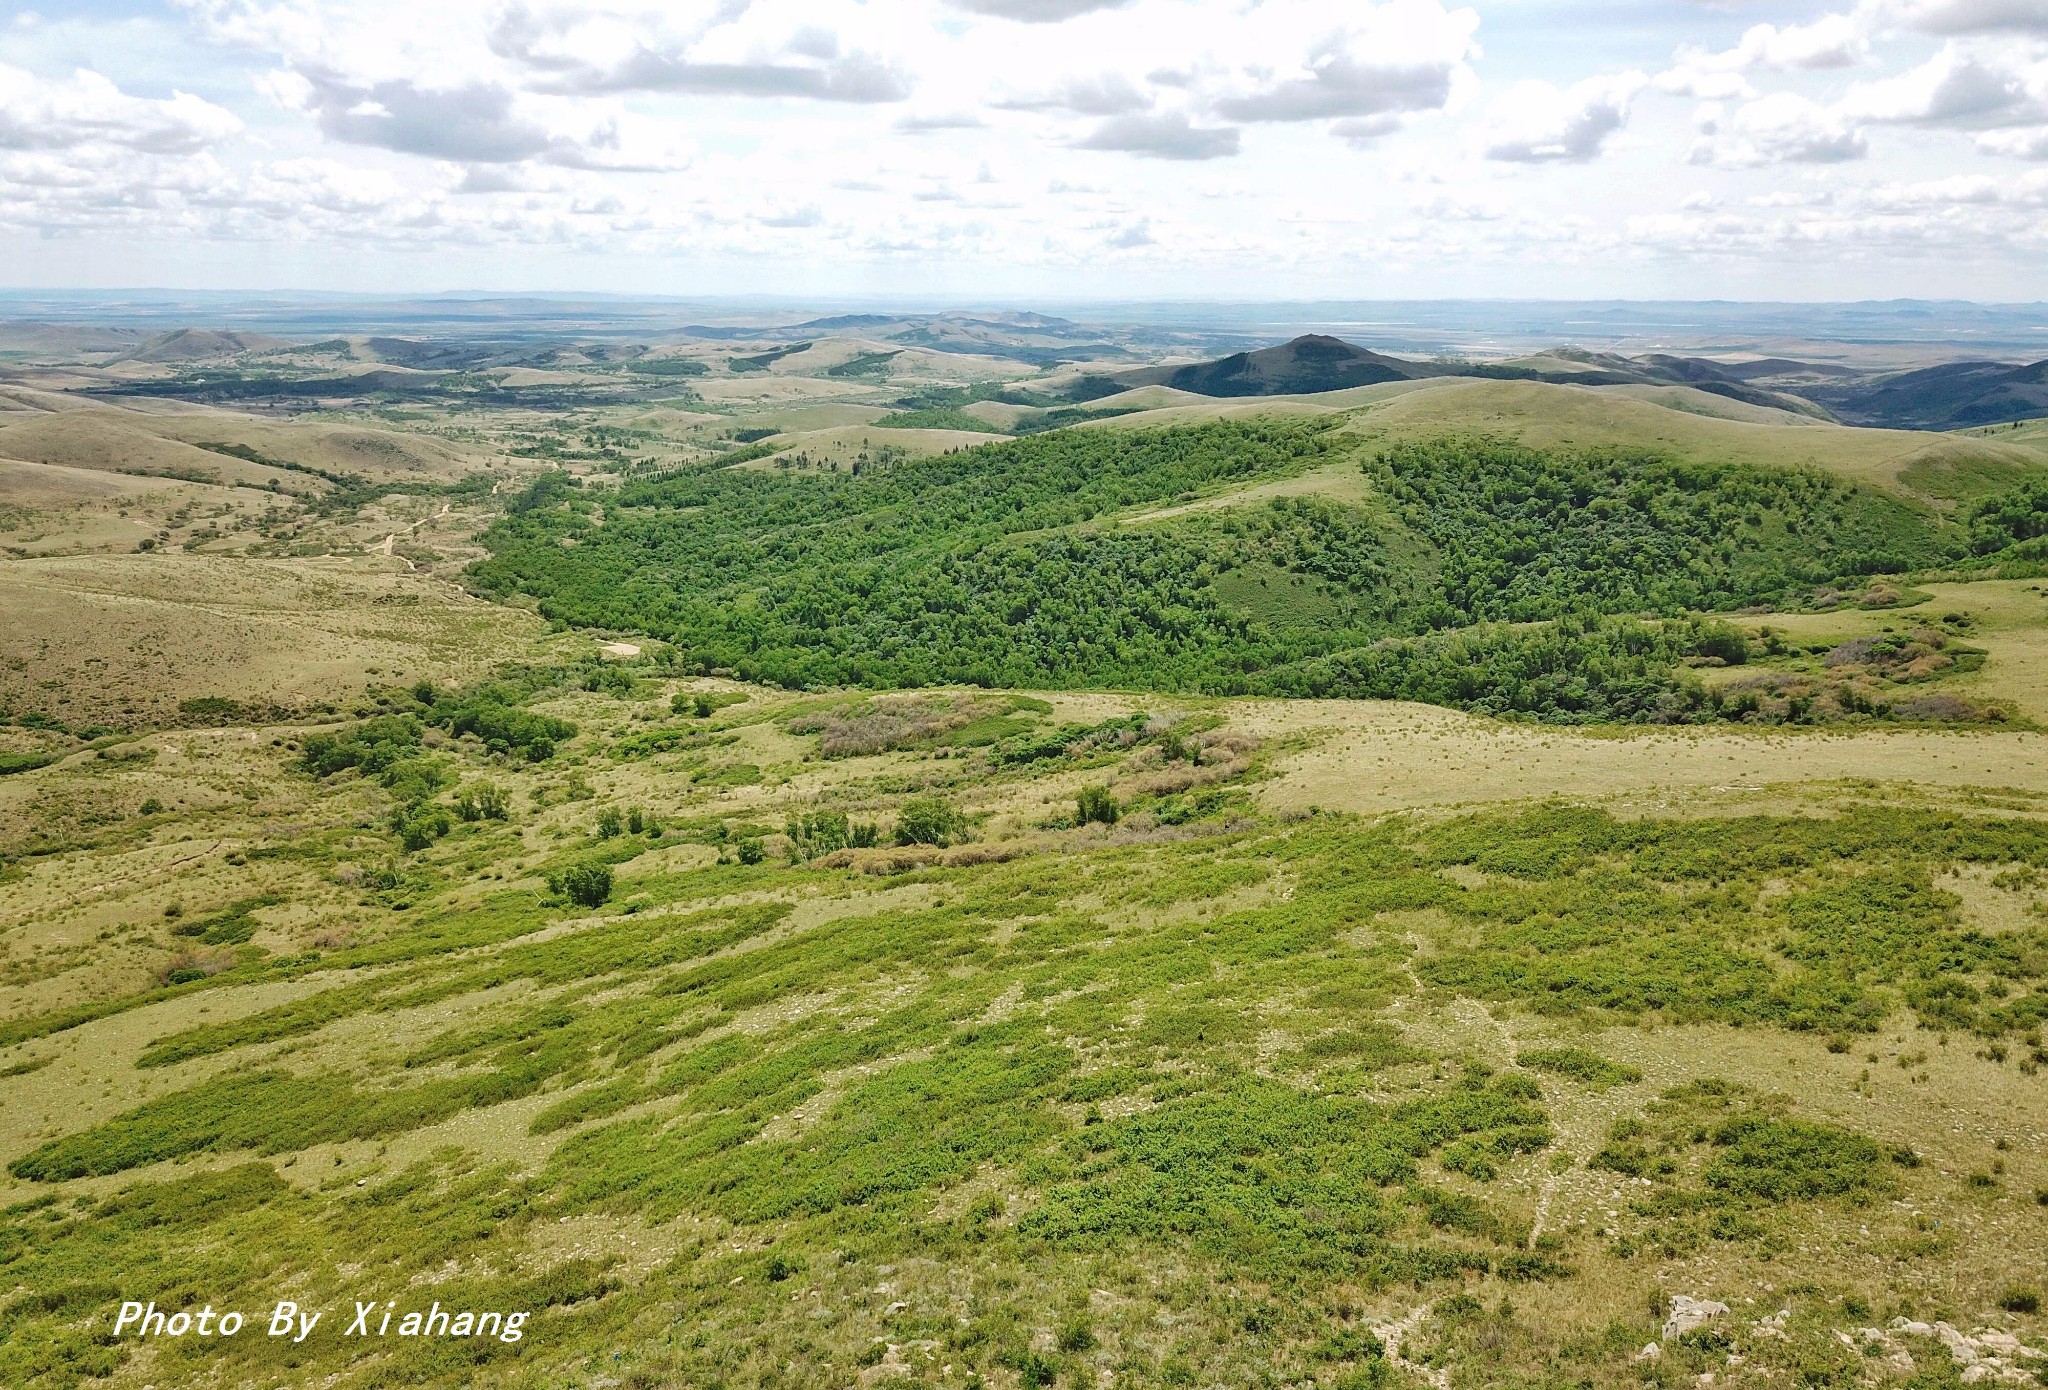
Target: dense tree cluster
column 1032, row 563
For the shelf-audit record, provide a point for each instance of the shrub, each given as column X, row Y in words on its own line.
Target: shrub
column 484, row 801
column 1077, row 1336
column 609, row 823
column 586, row 885
column 1579, row 1064
column 2020, row 1301
column 816, row 833
column 929, row 820
column 372, row 746
column 187, row 966
column 1095, row 805
column 1777, row 1160
column 1034, row 1371
column 502, row 727
column 420, row 824
column 751, row 850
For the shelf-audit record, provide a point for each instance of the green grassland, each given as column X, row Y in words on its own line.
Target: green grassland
column 1267, row 900
column 1213, row 1095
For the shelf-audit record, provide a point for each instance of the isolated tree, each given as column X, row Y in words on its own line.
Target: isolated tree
column 1096, row 805
column 586, row 885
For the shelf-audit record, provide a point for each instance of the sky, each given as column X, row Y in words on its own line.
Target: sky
column 1005, row 150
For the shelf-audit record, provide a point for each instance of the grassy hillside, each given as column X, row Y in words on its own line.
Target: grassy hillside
column 1939, row 467
column 1211, row 1096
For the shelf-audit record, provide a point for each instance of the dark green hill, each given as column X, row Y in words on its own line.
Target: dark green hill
column 1956, row 395
column 1316, row 362
column 1310, row 363
column 1007, row 565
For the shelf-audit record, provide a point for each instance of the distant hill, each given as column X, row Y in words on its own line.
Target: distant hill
column 28, row 335
column 1311, row 363
column 1956, row 395
column 1316, row 363
column 199, row 344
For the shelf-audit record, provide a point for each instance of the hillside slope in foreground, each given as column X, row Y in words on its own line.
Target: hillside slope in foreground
column 749, row 1038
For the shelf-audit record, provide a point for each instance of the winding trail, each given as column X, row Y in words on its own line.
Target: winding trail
column 1394, row 1337
column 385, row 546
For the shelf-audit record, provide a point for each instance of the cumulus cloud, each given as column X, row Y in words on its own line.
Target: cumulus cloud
column 1833, row 41
column 1956, row 86
column 37, row 114
column 1364, row 130
column 1973, row 16
column 1136, row 234
column 2026, row 142
column 1398, row 57
column 588, row 53
column 1783, row 128
column 1036, row 11
column 1168, row 135
column 943, row 120
column 1101, row 94
column 1538, row 123
column 475, row 123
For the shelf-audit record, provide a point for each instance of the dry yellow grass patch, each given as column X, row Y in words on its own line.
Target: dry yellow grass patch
column 1372, row 756
column 117, row 638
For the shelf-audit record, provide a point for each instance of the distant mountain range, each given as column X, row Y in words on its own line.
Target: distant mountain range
column 1105, row 361
column 1954, row 396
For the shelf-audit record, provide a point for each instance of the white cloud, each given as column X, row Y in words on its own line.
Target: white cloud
column 808, row 216
column 1973, row 16
column 736, row 51
column 1783, row 128
column 1169, row 135
column 1538, row 123
column 37, row 114
column 1037, row 11
column 2026, row 142
column 830, row 137
column 943, row 120
column 1095, row 94
column 1833, row 41
column 1299, row 64
column 1128, row 238
column 1957, row 86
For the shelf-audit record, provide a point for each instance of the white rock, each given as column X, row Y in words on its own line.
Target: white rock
column 1688, row 1313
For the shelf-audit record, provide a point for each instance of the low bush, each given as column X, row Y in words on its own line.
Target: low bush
column 929, row 820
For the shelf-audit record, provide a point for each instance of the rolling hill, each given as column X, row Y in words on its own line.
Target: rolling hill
column 1311, row 363
column 1957, row 395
